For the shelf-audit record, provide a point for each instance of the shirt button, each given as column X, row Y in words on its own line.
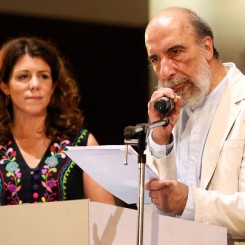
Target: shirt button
column 193, row 157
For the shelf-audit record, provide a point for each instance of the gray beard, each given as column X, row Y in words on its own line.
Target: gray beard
column 194, row 94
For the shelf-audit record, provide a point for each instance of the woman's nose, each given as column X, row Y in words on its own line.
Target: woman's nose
column 34, row 82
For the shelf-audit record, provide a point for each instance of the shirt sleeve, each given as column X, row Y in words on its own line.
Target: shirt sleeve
column 159, row 151
column 189, row 211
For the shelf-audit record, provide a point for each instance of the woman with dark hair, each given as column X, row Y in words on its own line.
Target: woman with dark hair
column 39, row 117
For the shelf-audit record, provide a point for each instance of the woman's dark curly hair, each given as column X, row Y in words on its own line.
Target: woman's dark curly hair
column 64, row 118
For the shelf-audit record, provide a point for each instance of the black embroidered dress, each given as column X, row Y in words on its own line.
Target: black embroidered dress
column 55, row 178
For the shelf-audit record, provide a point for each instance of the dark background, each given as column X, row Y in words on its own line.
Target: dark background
column 109, row 62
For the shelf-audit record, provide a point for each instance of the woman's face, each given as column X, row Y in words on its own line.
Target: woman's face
column 30, row 86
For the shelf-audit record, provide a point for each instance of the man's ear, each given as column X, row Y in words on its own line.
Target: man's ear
column 4, row 88
column 208, row 48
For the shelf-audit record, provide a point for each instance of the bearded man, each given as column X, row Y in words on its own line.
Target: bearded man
column 199, row 156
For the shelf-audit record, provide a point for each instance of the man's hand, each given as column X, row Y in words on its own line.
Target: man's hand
column 161, row 135
column 169, row 196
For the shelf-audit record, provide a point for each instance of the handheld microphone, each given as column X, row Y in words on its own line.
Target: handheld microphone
column 164, row 105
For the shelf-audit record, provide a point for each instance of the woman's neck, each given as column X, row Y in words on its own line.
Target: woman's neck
column 31, row 127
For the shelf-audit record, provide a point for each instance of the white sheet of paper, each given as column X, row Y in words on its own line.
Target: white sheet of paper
column 105, row 164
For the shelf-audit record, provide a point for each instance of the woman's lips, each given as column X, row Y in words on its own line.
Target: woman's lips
column 34, row 98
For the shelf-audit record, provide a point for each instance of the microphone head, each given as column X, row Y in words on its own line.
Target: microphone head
column 164, row 105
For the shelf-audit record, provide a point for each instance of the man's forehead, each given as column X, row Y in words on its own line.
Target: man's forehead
column 163, row 20
column 169, row 24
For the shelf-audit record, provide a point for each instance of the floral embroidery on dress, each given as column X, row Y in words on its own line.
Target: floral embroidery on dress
column 55, row 178
column 65, row 173
column 8, row 157
column 56, row 151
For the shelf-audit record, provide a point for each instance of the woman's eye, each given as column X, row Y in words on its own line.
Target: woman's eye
column 22, row 77
column 44, row 76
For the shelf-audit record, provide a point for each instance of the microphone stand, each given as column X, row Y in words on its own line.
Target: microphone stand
column 142, row 130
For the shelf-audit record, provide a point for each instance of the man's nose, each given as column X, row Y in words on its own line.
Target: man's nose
column 166, row 69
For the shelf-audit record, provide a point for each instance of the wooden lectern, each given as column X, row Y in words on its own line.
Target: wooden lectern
column 82, row 222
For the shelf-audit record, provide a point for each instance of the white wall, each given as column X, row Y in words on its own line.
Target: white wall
column 125, row 12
